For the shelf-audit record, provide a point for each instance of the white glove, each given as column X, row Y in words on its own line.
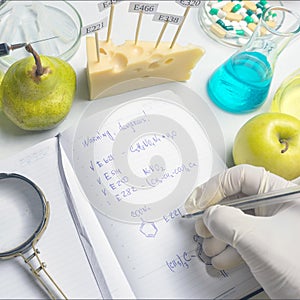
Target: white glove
column 268, row 241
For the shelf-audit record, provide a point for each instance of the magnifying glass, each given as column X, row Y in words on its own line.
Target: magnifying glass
column 24, row 216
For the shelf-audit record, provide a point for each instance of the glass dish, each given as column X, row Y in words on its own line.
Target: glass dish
column 29, row 21
column 2, row 3
column 206, row 20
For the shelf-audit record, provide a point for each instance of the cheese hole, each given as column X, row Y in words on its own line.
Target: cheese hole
column 168, row 61
column 154, row 65
column 155, row 58
column 119, row 62
column 155, row 61
column 102, row 51
column 137, row 50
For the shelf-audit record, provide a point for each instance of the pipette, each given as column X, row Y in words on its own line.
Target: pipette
column 6, row 48
column 249, row 202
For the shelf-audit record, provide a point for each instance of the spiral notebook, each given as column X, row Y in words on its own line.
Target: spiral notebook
column 116, row 183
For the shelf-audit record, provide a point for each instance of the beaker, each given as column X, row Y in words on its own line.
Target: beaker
column 241, row 84
column 287, row 96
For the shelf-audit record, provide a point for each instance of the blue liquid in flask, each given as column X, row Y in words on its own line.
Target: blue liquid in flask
column 242, row 83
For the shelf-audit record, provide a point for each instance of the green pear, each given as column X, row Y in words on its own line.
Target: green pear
column 1, row 77
column 38, row 91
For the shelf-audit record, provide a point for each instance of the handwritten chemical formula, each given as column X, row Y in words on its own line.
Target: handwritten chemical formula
column 142, row 158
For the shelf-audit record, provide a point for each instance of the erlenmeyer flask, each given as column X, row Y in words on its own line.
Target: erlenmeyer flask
column 242, row 83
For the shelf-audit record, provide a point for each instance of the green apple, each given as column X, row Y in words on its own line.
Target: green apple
column 38, row 91
column 270, row 140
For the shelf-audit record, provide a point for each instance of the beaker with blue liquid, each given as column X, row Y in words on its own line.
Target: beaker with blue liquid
column 241, row 84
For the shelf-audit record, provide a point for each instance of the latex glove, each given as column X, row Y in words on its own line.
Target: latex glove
column 268, row 241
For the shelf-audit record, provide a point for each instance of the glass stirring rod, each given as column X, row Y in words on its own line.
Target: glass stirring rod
column 249, row 202
column 6, row 48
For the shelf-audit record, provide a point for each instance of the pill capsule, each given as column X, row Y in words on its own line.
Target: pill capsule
column 236, row 8
column 248, row 19
column 228, row 7
column 243, row 24
column 213, row 11
column 234, row 17
column 243, row 12
column 247, row 31
column 252, row 26
column 259, row 11
column 218, row 30
column 221, row 14
column 250, row 5
column 221, row 23
column 259, row 5
column 249, row 12
column 229, row 27
column 255, row 18
column 236, row 24
column 240, row 32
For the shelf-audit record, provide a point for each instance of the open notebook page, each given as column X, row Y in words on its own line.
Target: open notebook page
column 107, row 270
column 138, row 157
column 60, row 245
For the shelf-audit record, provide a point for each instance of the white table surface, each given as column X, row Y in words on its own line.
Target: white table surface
column 13, row 140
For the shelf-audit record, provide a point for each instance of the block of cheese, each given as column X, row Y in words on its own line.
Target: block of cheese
column 127, row 67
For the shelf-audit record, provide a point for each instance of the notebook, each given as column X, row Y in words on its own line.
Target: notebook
column 116, row 183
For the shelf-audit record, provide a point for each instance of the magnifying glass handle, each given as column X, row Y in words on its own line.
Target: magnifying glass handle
column 41, row 265
column 36, row 273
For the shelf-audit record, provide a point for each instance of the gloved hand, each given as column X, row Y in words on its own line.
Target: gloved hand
column 268, row 241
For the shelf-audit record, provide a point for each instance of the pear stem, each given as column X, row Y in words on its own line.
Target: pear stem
column 285, row 143
column 39, row 68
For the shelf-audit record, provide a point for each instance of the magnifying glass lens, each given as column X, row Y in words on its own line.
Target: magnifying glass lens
column 21, row 213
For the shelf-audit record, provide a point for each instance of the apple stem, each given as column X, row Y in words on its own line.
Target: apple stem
column 39, row 68
column 285, row 143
